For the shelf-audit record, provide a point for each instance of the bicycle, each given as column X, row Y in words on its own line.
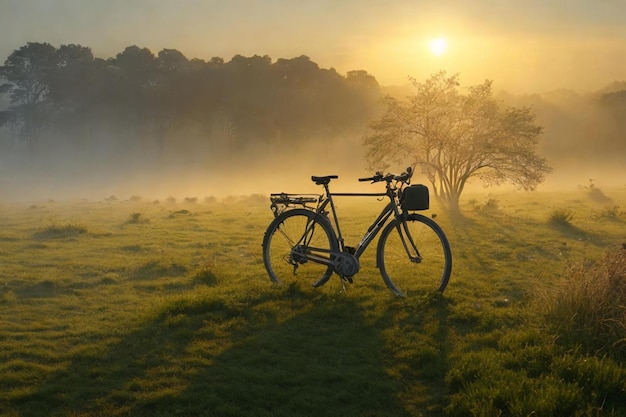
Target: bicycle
column 413, row 253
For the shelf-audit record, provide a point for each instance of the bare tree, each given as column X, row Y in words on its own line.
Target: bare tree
column 454, row 137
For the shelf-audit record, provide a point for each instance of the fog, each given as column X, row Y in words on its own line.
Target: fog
column 258, row 170
column 584, row 135
column 61, row 174
column 582, row 141
column 237, row 177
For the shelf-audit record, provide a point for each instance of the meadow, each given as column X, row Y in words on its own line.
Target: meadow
column 135, row 307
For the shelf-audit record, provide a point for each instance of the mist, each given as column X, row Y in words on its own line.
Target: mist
column 66, row 174
column 166, row 126
column 584, row 135
column 63, row 173
column 163, row 126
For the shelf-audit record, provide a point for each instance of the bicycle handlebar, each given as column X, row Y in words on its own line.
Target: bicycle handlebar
column 377, row 177
column 404, row 177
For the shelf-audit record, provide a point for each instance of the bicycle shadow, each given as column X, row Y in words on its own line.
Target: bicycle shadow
column 324, row 360
column 425, row 325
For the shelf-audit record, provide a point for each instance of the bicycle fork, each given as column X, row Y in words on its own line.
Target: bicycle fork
column 414, row 254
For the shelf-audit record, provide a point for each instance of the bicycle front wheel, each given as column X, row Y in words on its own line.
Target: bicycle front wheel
column 414, row 256
column 297, row 247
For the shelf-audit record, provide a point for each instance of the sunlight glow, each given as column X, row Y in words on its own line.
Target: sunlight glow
column 438, row 46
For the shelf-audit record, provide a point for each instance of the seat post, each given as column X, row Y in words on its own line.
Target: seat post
column 327, row 189
column 334, row 211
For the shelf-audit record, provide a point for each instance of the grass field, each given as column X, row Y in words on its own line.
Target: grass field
column 144, row 308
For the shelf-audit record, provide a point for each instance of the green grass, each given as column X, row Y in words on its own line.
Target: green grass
column 140, row 308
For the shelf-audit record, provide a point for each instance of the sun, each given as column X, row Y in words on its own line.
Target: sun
column 438, row 46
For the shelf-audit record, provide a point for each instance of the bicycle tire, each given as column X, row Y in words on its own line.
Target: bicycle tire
column 282, row 262
column 405, row 277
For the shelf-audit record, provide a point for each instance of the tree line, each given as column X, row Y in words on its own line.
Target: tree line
column 65, row 97
column 139, row 100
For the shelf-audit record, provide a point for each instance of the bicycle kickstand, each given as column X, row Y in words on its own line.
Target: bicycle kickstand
column 343, row 282
column 343, row 285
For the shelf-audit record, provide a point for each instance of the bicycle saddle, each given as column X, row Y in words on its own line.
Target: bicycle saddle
column 323, row 180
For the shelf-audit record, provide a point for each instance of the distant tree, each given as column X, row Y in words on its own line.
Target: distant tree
column 72, row 92
column 171, row 94
column 311, row 101
column 298, row 95
column 27, row 71
column 136, row 103
column 134, row 78
column 613, row 106
column 454, row 137
column 364, row 97
column 244, row 108
column 126, row 100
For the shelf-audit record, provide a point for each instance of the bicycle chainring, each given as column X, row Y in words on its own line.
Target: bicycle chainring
column 346, row 264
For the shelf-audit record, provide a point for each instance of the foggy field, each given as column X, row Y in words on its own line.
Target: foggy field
column 161, row 308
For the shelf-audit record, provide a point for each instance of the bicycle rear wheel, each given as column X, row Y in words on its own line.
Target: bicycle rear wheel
column 292, row 241
column 418, row 273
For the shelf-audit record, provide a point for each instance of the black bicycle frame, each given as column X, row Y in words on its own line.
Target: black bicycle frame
column 317, row 255
column 390, row 209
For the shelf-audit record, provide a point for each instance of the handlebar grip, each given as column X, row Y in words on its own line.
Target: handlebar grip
column 376, row 178
column 405, row 176
column 402, row 177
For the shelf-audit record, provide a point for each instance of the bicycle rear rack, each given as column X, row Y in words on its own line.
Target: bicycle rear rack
column 284, row 201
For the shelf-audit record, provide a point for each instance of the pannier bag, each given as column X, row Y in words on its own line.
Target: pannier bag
column 415, row 197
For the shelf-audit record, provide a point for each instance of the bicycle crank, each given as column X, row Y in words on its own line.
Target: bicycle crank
column 346, row 265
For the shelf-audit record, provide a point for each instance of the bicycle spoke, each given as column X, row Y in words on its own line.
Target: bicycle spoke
column 292, row 245
column 409, row 269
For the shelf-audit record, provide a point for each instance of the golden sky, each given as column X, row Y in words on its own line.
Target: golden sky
column 524, row 46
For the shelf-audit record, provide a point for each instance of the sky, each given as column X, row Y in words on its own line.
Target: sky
column 529, row 46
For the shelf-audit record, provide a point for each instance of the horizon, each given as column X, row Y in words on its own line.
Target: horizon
column 524, row 48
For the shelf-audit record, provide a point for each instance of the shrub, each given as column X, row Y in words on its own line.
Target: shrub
column 490, row 205
column 256, row 198
column 596, row 193
column 560, row 217
column 7, row 296
column 205, row 277
column 55, row 230
column 588, row 310
column 136, row 218
column 611, row 212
